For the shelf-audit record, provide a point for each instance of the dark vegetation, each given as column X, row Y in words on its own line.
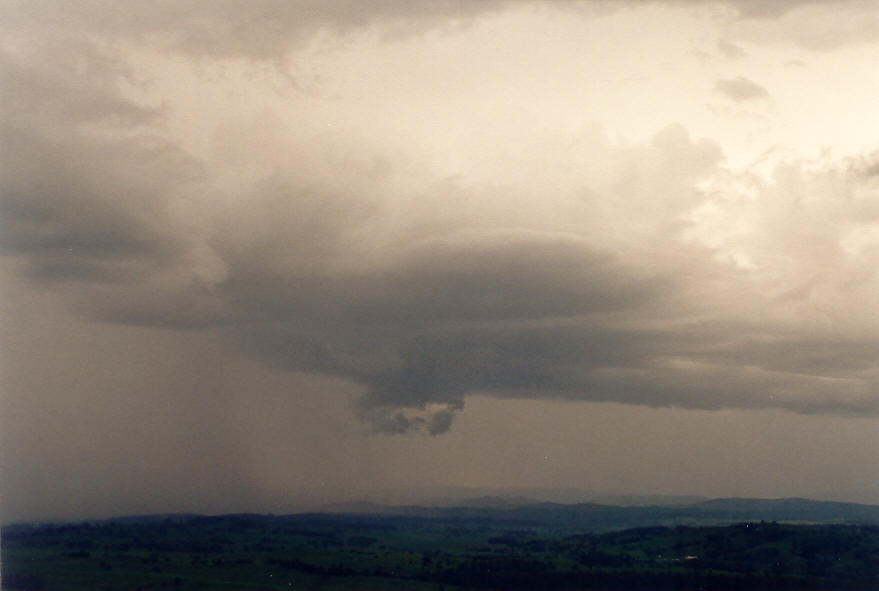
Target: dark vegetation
column 345, row 551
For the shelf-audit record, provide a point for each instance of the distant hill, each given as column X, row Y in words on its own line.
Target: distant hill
column 526, row 512
column 646, row 500
column 594, row 516
column 465, row 497
column 792, row 509
column 496, row 502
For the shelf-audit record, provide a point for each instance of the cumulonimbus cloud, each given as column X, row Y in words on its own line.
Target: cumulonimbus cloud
column 654, row 279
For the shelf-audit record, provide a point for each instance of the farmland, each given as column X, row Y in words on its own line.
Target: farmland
column 347, row 551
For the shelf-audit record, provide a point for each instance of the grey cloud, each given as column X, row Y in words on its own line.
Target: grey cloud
column 313, row 269
column 49, row 184
column 440, row 422
column 815, row 25
column 65, row 81
column 804, row 354
column 442, row 361
column 587, row 364
column 769, row 8
column 745, row 9
column 76, row 209
column 451, row 318
column 759, row 9
column 67, row 187
column 730, row 50
column 391, row 420
column 425, row 321
column 520, row 313
column 438, row 317
column 92, row 191
column 741, row 89
column 493, row 275
column 263, row 29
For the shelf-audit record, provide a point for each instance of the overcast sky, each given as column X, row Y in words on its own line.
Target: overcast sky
column 260, row 254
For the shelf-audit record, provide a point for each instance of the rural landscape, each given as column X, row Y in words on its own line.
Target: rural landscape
column 496, row 544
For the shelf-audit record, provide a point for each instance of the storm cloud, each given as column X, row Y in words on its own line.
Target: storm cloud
column 426, row 290
column 385, row 195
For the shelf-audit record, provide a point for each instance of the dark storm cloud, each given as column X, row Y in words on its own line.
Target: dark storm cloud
column 86, row 217
column 653, row 368
column 83, row 200
column 422, row 295
column 741, row 89
column 538, row 314
column 447, row 318
column 91, row 189
column 446, row 311
column 486, row 276
column 421, row 353
column 70, row 191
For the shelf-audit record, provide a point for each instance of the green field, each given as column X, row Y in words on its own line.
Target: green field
column 335, row 552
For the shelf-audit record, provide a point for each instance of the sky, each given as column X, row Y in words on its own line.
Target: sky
column 258, row 256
